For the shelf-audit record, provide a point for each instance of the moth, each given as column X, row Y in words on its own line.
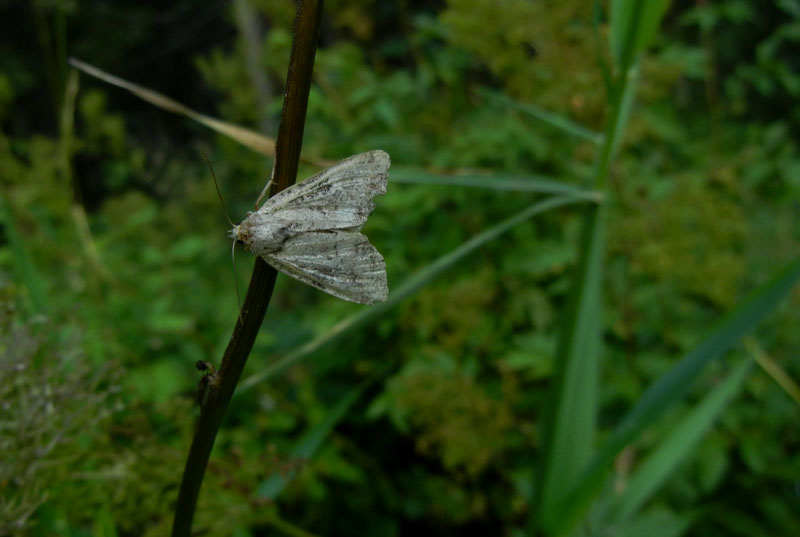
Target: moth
column 311, row 230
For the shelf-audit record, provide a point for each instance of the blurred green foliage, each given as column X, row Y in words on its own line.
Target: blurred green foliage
column 704, row 207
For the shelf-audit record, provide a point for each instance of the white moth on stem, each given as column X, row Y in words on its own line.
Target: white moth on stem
column 311, row 230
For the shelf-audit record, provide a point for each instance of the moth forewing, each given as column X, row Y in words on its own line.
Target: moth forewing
column 311, row 230
column 339, row 197
column 341, row 263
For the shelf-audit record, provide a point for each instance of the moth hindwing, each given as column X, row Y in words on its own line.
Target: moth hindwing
column 311, row 230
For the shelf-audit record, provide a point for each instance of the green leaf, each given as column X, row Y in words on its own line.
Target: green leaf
column 558, row 121
column 672, row 386
column 621, row 119
column 525, row 183
column 680, row 443
column 633, row 26
column 571, row 422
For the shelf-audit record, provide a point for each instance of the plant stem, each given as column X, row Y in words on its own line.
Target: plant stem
column 262, row 282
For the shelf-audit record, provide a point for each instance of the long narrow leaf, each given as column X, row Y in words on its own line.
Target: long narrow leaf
column 650, row 21
column 571, row 421
column 403, row 291
column 556, row 120
column 248, row 138
column 533, row 183
column 622, row 97
column 626, row 105
column 680, row 442
column 672, row 386
column 598, row 32
column 633, row 26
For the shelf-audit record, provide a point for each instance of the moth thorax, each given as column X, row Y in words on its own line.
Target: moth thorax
column 268, row 236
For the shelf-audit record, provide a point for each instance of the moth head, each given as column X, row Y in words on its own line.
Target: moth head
column 238, row 234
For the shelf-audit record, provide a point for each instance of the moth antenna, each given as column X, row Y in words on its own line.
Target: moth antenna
column 233, row 244
column 235, row 281
column 219, row 194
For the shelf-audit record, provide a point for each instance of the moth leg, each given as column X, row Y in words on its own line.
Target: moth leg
column 208, row 384
column 266, row 188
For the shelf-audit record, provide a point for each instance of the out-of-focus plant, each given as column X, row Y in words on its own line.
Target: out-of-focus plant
column 55, row 406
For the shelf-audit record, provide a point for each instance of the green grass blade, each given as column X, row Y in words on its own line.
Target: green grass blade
column 650, row 21
column 526, row 183
column 633, row 26
column 626, row 105
column 558, row 121
column 403, row 291
column 672, row 386
column 622, row 98
column 680, row 442
column 598, row 32
column 571, row 421
column 310, row 442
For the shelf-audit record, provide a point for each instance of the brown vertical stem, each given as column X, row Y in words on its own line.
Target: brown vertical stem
column 259, row 292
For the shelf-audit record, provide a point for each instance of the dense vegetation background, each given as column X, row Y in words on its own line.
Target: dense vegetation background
column 428, row 419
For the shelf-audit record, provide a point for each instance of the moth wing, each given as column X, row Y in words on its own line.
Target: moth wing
column 339, row 197
column 341, row 263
